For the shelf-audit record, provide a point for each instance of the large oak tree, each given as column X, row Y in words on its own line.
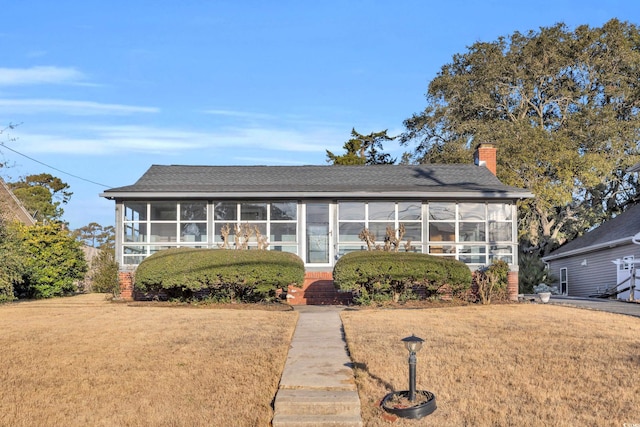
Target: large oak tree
column 563, row 108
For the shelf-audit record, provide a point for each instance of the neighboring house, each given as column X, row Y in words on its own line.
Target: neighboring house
column 11, row 208
column 317, row 212
column 599, row 260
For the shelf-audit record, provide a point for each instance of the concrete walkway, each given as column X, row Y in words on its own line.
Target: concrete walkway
column 601, row 304
column 317, row 387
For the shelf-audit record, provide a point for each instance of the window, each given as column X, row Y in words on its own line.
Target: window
column 379, row 217
column 564, row 281
column 274, row 222
column 475, row 233
column 149, row 227
column 193, row 222
column 152, row 226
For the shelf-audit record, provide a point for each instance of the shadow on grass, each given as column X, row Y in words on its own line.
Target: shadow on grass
column 362, row 367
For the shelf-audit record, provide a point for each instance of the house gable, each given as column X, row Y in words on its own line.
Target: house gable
column 616, row 231
column 11, row 208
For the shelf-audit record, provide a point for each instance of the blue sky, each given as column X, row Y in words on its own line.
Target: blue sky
column 104, row 89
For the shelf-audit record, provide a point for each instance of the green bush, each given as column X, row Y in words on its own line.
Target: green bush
column 12, row 267
column 53, row 262
column 532, row 272
column 379, row 276
column 246, row 276
column 105, row 272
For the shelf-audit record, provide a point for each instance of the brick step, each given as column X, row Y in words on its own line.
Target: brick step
column 323, row 293
column 322, row 301
column 318, row 301
column 318, row 289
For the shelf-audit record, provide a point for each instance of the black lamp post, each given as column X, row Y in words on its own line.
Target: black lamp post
column 413, row 344
column 417, row 408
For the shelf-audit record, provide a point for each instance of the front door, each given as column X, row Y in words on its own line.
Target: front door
column 318, row 234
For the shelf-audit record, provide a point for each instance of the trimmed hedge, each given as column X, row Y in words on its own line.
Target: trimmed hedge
column 229, row 275
column 379, row 276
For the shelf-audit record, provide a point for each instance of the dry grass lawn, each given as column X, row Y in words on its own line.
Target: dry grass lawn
column 502, row 365
column 83, row 361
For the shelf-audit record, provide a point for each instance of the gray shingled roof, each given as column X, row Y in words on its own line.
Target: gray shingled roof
column 622, row 227
column 317, row 180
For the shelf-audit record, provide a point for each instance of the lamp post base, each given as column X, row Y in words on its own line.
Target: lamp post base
column 398, row 403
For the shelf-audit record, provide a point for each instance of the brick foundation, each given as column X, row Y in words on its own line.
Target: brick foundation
column 512, row 286
column 126, row 284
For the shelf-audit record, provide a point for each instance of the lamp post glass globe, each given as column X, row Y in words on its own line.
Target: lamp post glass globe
column 413, row 344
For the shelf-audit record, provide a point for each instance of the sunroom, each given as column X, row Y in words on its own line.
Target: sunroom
column 320, row 231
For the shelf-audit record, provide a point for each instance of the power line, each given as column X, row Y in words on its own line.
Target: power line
column 54, row 168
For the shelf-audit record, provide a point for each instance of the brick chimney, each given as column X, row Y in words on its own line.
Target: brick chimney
column 485, row 155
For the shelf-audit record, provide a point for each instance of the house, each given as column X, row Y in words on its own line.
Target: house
column 317, row 212
column 11, row 208
column 596, row 262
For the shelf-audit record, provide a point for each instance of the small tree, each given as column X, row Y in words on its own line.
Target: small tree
column 105, row 269
column 533, row 272
column 392, row 239
column 492, row 281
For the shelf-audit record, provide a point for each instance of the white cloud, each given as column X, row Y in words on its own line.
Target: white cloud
column 74, row 108
column 301, row 140
column 240, row 114
column 105, row 140
column 259, row 143
column 40, row 75
column 268, row 161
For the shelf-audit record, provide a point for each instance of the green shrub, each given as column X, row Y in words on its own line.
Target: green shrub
column 12, row 267
column 532, row 272
column 105, row 272
column 246, row 276
column 53, row 262
column 378, row 276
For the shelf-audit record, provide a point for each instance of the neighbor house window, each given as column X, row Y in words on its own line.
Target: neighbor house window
column 564, row 281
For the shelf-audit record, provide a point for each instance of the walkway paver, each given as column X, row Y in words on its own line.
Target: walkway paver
column 317, row 387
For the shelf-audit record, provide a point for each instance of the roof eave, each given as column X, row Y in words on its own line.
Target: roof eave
column 479, row 194
column 587, row 249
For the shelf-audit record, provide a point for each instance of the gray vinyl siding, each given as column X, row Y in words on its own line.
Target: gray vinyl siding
column 598, row 273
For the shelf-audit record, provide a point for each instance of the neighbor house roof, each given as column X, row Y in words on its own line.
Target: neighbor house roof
column 11, row 207
column 460, row 181
column 616, row 231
